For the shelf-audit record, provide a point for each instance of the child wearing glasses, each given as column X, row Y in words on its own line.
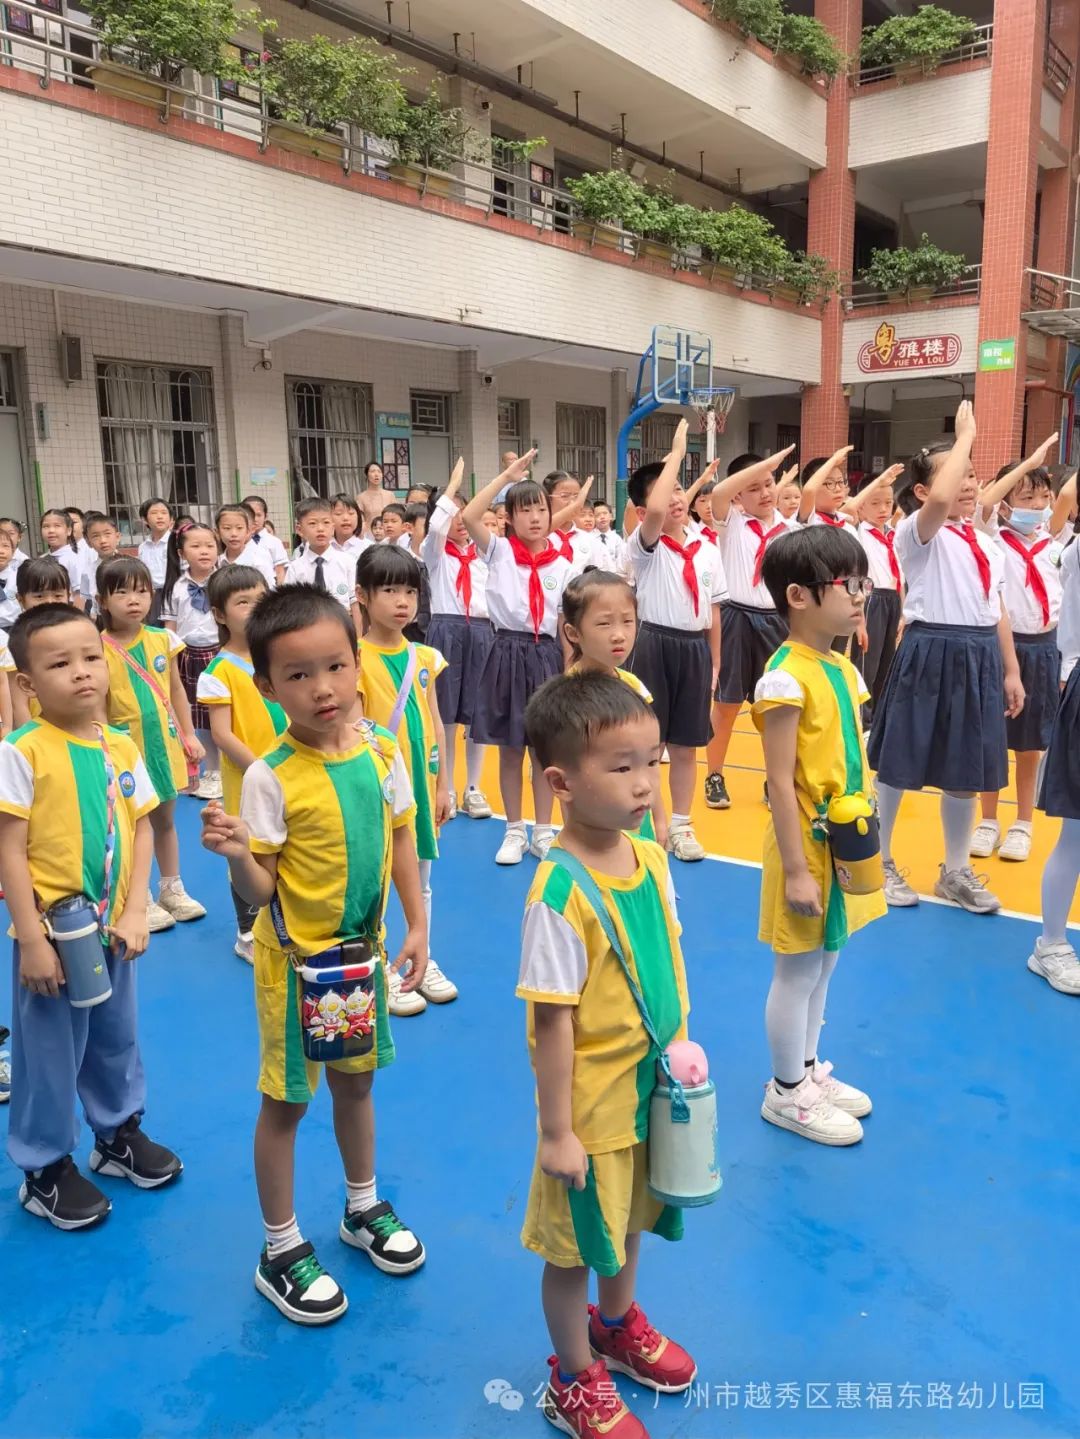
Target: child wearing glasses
column 826, row 494
column 806, row 706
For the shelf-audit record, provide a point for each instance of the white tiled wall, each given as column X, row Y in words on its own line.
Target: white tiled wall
column 943, row 112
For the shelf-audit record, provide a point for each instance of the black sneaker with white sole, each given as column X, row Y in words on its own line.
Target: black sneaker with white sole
column 131, row 1155
column 297, row 1284
column 63, row 1196
column 383, row 1238
column 716, row 791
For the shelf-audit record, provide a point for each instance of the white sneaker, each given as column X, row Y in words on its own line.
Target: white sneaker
column 157, row 918
column 542, row 839
column 436, row 987
column 1057, row 964
column 898, row 893
column 985, row 840
column 841, row 1096
column 512, row 850
column 209, row 786
column 244, row 948
column 805, row 1110
column 453, row 807
column 402, row 1002
column 179, row 904
column 1017, row 843
column 474, row 805
column 683, row 843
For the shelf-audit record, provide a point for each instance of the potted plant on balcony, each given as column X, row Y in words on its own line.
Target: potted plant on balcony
column 806, row 279
column 761, row 19
column 609, row 202
column 148, row 44
column 915, row 44
column 741, row 245
column 431, row 139
column 316, row 86
column 933, row 269
column 809, row 42
column 888, row 271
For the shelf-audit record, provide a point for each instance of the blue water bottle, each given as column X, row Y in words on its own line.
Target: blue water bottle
column 72, row 925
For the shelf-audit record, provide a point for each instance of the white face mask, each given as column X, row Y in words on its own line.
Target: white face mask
column 1026, row 522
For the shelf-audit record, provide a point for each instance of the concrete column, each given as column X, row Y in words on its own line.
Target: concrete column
column 831, row 232
column 478, row 421
column 471, row 100
column 255, row 427
column 1012, row 172
column 618, row 409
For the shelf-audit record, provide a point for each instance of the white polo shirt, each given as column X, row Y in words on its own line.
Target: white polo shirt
column 443, row 569
column 10, row 609
column 846, row 522
column 355, row 545
column 1024, row 610
column 508, row 589
column 662, row 593
column 256, row 557
column 339, row 573
column 943, row 584
column 876, row 546
column 71, row 561
column 738, row 544
column 609, row 549
column 582, row 544
column 154, row 555
column 264, row 540
column 196, row 629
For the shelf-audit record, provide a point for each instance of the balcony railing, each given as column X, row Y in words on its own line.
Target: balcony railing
column 1057, row 67
column 860, row 296
column 63, row 51
column 980, row 47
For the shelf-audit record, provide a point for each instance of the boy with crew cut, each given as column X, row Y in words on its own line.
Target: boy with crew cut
column 599, row 745
column 74, row 804
column 317, row 562
column 324, row 825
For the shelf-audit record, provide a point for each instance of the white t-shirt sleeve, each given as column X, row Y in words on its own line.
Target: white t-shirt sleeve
column 778, row 687
column 16, row 782
column 262, row 808
column 403, row 791
column 211, row 689
column 553, row 960
column 145, row 797
column 168, row 606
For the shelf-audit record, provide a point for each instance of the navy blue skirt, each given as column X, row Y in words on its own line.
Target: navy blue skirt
column 1059, row 793
column 516, row 666
column 941, row 718
column 1040, row 671
column 464, row 645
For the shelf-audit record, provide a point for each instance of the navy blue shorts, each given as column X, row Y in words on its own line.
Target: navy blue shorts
column 676, row 668
column 749, row 638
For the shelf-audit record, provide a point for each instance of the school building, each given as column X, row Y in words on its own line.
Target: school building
column 191, row 304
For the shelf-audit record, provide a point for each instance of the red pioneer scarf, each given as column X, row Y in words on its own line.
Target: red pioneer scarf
column 534, row 564
column 889, row 541
column 689, row 573
column 463, row 583
column 764, row 536
column 1032, row 577
column 982, row 564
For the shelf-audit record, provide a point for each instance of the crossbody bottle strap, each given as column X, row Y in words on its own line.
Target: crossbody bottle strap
column 404, row 691
column 680, row 1111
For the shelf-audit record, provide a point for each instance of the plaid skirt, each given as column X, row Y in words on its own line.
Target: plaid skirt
column 191, row 664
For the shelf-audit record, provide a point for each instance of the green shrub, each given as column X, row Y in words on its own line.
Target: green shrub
column 321, row 84
column 811, row 43
column 165, row 37
column 923, row 38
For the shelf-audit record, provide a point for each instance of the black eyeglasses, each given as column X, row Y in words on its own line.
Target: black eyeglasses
column 854, row 584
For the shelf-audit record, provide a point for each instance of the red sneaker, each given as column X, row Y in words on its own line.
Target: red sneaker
column 635, row 1348
column 589, row 1406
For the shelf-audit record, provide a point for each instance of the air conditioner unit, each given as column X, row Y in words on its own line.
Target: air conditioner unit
column 71, row 367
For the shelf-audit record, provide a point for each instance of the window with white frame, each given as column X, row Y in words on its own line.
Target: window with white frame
column 157, row 438
column 581, row 442
column 331, row 436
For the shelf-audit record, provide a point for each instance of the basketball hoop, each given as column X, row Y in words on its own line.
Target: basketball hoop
column 712, row 407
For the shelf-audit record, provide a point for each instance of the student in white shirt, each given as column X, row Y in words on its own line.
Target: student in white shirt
column 525, row 580
column 104, row 539
column 875, row 508
column 609, row 545
column 57, row 533
column 941, row 717
column 15, row 529
column 154, row 550
column 1029, row 529
column 745, row 520
column 680, row 583
column 263, row 538
column 567, row 494
column 393, row 524
column 460, row 630
column 318, row 563
column 194, row 554
column 9, row 604
column 825, row 492
column 235, row 525
column 348, row 524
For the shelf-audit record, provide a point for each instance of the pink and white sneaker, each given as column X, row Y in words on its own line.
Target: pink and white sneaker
column 841, row 1096
column 806, row 1111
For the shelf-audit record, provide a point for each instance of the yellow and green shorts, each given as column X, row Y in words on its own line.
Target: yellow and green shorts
column 588, row 1227
column 285, row 1072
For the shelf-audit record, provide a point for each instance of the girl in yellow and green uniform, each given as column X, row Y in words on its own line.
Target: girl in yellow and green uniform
column 397, row 687
column 147, row 701
column 600, row 622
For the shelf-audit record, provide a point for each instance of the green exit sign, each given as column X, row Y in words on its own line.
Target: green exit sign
column 997, row 355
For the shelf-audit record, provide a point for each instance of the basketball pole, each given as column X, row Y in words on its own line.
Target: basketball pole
column 710, row 435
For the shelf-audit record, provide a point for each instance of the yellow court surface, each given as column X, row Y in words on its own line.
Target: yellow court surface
column 737, row 833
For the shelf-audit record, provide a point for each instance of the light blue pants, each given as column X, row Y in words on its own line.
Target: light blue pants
column 58, row 1052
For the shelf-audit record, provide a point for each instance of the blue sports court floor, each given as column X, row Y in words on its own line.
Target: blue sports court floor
column 921, row 1284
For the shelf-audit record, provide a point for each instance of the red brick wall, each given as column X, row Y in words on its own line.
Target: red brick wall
column 832, row 234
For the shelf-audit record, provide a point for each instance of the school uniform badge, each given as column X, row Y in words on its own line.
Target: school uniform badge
column 423, row 678
column 126, row 781
column 161, row 664
column 388, row 789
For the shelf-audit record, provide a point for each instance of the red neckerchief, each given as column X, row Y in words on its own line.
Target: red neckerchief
column 764, row 536
column 563, row 545
column 709, row 534
column 830, row 520
column 889, row 541
column 982, row 564
column 463, row 583
column 1032, row 577
column 534, row 564
column 686, row 553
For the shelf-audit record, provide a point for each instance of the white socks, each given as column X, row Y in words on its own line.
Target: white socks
column 360, row 1196
column 958, row 822
column 680, row 821
column 794, row 1010
column 1059, row 882
column 425, row 894
column 474, row 763
column 888, row 800
column 280, row 1238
